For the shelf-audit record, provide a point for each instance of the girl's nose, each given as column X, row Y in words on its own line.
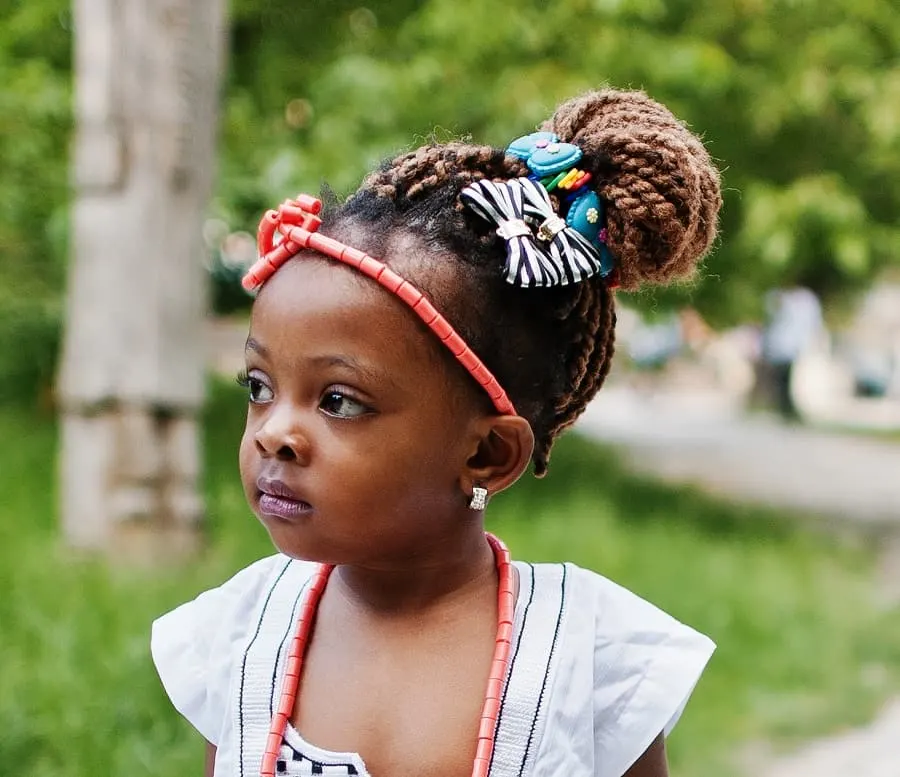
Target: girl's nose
column 281, row 436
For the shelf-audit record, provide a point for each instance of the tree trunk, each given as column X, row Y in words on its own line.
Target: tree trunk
column 131, row 382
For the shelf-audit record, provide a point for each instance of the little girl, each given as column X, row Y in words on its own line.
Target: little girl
column 411, row 351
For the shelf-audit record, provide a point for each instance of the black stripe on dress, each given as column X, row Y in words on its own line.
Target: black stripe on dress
column 244, row 666
column 512, row 665
column 284, row 639
column 562, row 605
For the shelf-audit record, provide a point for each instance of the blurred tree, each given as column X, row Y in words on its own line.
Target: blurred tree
column 146, row 89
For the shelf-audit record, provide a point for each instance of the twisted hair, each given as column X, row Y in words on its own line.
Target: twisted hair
column 550, row 348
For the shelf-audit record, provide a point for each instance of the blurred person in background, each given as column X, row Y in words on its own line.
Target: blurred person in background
column 794, row 324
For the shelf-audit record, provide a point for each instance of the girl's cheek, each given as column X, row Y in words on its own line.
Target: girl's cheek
column 246, row 454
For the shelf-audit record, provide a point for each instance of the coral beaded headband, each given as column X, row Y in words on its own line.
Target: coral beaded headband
column 285, row 232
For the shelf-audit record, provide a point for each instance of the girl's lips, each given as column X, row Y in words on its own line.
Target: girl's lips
column 277, row 500
column 282, row 507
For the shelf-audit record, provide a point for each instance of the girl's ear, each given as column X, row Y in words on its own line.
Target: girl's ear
column 502, row 452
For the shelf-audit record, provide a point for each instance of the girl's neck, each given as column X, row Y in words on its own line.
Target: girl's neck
column 442, row 572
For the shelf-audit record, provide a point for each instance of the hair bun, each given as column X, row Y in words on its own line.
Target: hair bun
column 659, row 183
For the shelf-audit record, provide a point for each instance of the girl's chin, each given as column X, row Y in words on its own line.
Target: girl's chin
column 287, row 541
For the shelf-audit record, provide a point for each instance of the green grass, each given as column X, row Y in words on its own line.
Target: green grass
column 802, row 647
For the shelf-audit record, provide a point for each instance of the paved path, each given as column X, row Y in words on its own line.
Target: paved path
column 873, row 751
column 700, row 439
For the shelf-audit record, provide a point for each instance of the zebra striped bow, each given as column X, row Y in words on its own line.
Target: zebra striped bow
column 557, row 256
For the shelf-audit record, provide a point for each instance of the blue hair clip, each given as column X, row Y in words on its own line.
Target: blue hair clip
column 544, row 154
column 552, row 164
column 524, row 147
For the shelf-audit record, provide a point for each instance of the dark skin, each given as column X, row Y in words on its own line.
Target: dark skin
column 354, row 410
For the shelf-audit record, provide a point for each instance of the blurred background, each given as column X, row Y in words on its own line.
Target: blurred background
column 741, row 468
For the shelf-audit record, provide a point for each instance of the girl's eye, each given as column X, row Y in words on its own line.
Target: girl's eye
column 337, row 404
column 258, row 392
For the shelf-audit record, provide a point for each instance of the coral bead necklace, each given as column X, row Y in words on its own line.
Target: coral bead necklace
column 499, row 665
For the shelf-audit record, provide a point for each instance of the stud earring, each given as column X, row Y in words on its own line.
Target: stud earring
column 479, row 498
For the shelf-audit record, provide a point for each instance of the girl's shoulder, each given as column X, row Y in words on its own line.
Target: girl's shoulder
column 621, row 617
column 194, row 646
column 617, row 670
column 591, row 607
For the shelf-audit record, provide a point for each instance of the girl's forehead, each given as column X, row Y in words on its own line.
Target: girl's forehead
column 312, row 304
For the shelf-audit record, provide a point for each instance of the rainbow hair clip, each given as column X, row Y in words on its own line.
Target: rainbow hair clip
column 554, row 165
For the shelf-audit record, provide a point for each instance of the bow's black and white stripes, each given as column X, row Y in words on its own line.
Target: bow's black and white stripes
column 556, row 256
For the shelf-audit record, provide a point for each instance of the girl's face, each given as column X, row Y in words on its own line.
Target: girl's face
column 357, row 432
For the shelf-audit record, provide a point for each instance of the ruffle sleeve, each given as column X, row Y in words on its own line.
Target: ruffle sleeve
column 194, row 646
column 646, row 665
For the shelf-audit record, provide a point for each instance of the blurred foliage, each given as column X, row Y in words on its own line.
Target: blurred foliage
column 35, row 118
column 798, row 100
column 29, row 347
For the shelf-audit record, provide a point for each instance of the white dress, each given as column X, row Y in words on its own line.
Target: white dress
column 596, row 673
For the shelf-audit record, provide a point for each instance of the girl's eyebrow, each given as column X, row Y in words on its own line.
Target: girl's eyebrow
column 366, row 372
column 255, row 345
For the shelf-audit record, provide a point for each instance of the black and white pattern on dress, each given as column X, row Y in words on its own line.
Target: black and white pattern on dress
column 539, row 617
column 295, row 764
column 298, row 758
